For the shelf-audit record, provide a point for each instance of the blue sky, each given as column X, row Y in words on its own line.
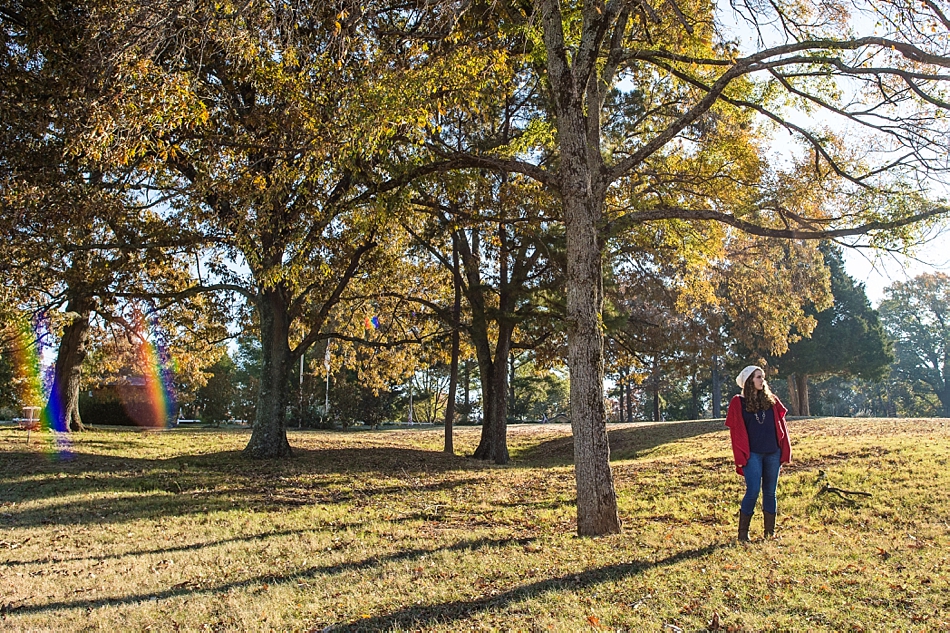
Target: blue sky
column 879, row 270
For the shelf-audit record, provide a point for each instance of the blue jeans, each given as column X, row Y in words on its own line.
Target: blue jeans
column 761, row 473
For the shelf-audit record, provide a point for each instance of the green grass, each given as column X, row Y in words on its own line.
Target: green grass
column 380, row 531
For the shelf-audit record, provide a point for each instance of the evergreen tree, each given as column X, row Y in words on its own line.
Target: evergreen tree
column 848, row 339
column 215, row 399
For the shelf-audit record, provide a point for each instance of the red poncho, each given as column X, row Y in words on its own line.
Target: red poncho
column 740, row 438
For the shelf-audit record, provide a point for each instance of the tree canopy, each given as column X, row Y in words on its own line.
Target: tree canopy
column 916, row 315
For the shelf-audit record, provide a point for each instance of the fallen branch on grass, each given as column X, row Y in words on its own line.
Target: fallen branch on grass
column 841, row 492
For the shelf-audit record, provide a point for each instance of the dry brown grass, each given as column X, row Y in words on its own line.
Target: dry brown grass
column 380, row 531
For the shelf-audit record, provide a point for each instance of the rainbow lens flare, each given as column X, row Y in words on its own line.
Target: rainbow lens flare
column 27, row 381
column 148, row 395
column 29, row 385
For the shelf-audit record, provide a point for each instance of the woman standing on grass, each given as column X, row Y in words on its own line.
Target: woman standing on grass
column 756, row 421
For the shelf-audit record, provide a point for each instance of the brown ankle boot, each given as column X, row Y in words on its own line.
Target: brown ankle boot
column 744, row 521
column 769, row 519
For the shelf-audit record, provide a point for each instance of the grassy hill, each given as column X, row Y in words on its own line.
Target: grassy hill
column 126, row 530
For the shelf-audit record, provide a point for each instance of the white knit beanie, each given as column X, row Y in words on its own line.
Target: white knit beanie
column 745, row 373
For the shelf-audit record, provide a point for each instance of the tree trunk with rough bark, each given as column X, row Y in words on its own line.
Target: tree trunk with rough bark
column 62, row 408
column 486, row 372
column 269, row 436
column 596, row 497
column 582, row 192
column 500, row 392
column 944, row 397
column 694, row 399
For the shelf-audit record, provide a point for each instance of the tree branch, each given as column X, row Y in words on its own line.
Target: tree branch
column 334, row 298
column 633, row 219
column 189, row 292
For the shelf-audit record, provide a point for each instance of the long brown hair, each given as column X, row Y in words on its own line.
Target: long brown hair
column 756, row 400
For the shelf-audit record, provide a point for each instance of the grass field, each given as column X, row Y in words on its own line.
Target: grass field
column 379, row 531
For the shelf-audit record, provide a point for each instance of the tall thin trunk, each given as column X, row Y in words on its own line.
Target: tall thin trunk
column 269, row 436
column 502, row 350
column 694, row 399
column 62, row 408
column 716, row 389
column 793, row 402
column 655, row 385
column 478, row 332
column 467, row 389
column 629, row 402
column 511, row 379
column 802, row 388
column 493, row 370
column 454, row 369
column 621, row 387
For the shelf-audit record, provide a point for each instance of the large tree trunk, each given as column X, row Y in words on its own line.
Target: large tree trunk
column 596, row 498
column 486, row 372
column 500, row 392
column 269, row 437
column 583, row 190
column 944, row 398
column 62, row 408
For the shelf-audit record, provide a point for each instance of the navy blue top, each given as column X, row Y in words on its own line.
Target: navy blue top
column 761, row 429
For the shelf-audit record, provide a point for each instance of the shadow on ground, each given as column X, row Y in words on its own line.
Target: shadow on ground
column 628, row 442
column 106, row 489
column 416, row 617
column 102, row 488
column 188, row 589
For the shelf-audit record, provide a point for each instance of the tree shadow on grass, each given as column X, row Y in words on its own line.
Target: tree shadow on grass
column 628, row 442
column 200, row 484
column 15, row 464
column 191, row 589
column 163, row 551
column 415, row 617
column 131, row 506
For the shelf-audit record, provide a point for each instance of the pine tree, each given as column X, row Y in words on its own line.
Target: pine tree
column 848, row 339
